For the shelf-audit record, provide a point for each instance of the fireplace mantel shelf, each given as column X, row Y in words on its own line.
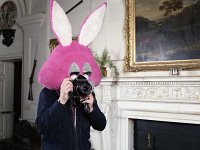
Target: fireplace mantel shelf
column 152, row 78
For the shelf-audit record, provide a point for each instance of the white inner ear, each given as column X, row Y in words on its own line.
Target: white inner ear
column 61, row 25
column 92, row 26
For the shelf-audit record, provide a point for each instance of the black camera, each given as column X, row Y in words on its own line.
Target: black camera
column 81, row 88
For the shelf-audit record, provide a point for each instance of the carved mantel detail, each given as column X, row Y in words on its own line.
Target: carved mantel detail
column 161, row 91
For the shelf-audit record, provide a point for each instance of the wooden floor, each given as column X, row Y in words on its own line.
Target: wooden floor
column 16, row 144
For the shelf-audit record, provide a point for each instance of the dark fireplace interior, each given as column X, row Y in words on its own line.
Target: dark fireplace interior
column 157, row 135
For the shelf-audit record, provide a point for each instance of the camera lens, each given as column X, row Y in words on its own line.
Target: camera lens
column 81, row 86
column 85, row 89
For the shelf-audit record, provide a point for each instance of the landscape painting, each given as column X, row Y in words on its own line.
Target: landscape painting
column 167, row 30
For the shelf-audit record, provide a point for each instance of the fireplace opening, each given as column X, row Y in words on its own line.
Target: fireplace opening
column 157, row 135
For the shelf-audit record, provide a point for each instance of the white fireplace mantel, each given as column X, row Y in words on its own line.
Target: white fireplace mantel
column 175, row 99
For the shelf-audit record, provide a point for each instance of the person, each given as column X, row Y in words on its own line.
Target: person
column 55, row 119
column 62, row 125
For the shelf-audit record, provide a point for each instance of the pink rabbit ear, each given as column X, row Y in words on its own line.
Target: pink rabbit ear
column 92, row 25
column 60, row 24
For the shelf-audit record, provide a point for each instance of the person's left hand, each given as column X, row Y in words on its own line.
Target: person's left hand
column 88, row 102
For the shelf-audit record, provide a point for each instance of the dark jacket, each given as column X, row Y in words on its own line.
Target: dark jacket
column 55, row 123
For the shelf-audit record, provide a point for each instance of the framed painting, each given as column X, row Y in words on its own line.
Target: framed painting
column 54, row 42
column 162, row 34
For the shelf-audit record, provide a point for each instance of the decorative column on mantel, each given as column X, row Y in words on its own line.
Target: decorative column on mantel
column 109, row 109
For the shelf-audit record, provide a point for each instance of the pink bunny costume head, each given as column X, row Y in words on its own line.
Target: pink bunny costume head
column 70, row 55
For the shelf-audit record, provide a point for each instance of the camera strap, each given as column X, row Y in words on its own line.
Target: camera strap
column 74, row 115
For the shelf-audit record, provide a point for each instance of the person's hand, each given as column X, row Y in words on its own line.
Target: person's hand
column 65, row 88
column 88, row 102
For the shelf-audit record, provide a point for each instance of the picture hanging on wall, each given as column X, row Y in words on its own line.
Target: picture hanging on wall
column 162, row 34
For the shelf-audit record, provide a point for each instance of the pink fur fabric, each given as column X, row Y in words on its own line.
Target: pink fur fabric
column 68, row 52
column 56, row 68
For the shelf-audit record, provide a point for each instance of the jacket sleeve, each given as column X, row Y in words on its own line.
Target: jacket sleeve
column 49, row 112
column 96, row 117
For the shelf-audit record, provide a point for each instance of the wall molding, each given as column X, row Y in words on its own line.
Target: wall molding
column 11, row 57
column 185, row 90
column 32, row 20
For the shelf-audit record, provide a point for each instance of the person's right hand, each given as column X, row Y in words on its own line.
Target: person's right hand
column 65, row 88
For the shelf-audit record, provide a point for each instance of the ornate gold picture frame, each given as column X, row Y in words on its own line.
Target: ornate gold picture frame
column 54, row 42
column 179, row 46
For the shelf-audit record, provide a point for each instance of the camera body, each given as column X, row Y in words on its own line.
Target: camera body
column 81, row 88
